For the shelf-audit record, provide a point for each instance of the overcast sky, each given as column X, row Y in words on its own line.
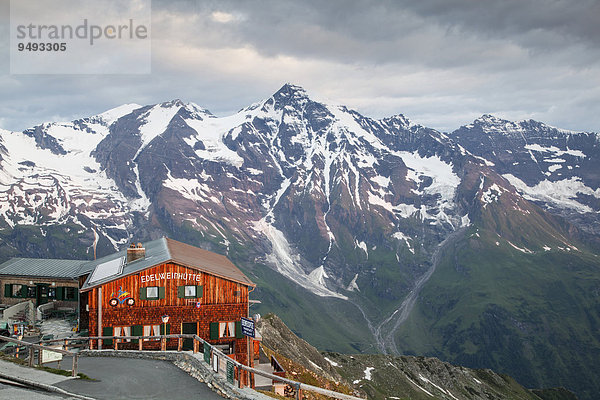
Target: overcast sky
column 440, row 63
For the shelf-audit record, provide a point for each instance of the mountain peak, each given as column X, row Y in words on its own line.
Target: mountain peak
column 490, row 119
column 290, row 94
column 290, row 88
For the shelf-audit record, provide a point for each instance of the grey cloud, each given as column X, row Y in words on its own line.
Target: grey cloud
column 441, row 63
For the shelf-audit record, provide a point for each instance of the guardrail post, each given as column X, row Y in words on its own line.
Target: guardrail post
column 140, row 340
column 196, row 345
column 179, row 344
column 31, row 355
column 74, row 370
column 116, row 344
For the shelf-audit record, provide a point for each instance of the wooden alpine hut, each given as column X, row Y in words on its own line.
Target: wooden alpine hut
column 128, row 294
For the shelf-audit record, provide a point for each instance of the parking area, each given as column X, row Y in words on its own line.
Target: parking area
column 128, row 378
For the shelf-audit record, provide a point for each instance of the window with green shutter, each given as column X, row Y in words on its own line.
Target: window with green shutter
column 7, row 290
column 189, row 292
column 152, row 293
column 162, row 329
column 70, row 293
column 214, row 330
column 60, row 293
column 107, row 331
column 238, row 330
column 137, row 330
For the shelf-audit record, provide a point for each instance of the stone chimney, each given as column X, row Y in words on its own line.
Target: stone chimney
column 135, row 252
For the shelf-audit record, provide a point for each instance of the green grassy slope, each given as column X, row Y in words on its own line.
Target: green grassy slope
column 535, row 316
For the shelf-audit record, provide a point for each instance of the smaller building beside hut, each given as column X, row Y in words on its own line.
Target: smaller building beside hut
column 41, row 281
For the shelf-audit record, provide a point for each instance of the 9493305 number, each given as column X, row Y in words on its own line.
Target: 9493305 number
column 33, row 46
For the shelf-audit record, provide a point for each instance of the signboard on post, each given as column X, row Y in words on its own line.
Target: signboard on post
column 206, row 353
column 248, row 327
column 215, row 362
column 230, row 372
column 51, row 356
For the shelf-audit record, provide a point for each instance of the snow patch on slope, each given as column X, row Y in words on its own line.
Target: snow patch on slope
column 114, row 114
column 402, row 236
column 155, row 121
column 288, row 264
column 353, row 286
column 555, row 150
column 211, row 132
column 561, row 193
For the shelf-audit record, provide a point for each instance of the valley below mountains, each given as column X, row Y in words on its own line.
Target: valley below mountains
column 479, row 246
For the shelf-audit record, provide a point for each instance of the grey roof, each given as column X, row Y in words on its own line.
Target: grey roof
column 42, row 268
column 168, row 250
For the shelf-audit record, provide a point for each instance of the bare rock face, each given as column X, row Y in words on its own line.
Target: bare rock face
column 383, row 377
column 278, row 337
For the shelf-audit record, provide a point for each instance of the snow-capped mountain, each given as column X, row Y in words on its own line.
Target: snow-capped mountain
column 310, row 185
column 553, row 167
column 355, row 211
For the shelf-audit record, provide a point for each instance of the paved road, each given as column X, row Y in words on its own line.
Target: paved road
column 128, row 378
column 16, row 392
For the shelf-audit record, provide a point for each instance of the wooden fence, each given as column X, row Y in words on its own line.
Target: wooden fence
column 32, row 347
column 213, row 352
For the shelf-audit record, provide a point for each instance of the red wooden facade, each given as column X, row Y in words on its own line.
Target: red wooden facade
column 213, row 312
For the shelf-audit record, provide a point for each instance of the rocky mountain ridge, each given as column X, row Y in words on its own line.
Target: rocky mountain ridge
column 396, row 377
column 349, row 211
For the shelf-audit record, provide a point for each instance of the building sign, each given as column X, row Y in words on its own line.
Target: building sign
column 247, row 327
column 185, row 276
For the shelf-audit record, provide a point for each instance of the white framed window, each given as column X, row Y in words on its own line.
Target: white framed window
column 122, row 331
column 190, row 291
column 226, row 329
column 152, row 292
column 17, row 290
column 151, row 330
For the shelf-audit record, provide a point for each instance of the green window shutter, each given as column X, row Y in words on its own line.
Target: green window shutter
column 161, row 292
column 143, row 293
column 238, row 330
column 214, row 330
column 137, row 330
column 162, row 329
column 7, row 290
column 60, row 293
column 180, row 292
column 23, row 291
column 199, row 291
column 107, row 331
